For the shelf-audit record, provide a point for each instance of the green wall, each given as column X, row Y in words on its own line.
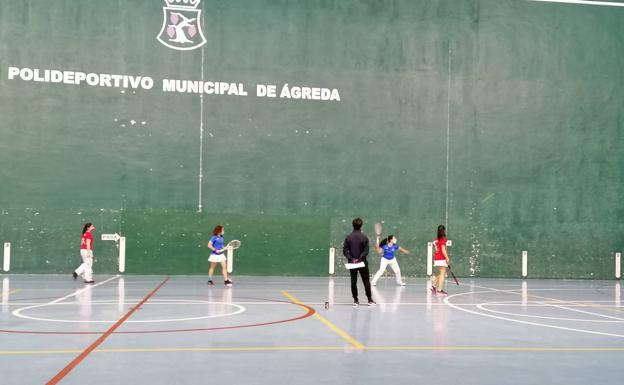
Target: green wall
column 534, row 118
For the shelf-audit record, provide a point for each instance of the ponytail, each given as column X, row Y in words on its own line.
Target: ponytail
column 86, row 227
column 441, row 232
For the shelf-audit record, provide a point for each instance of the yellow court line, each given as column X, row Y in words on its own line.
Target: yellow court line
column 495, row 348
column 317, row 348
column 357, row 344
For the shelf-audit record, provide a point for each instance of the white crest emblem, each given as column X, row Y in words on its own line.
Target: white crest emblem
column 181, row 27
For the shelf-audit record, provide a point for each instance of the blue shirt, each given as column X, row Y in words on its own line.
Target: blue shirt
column 217, row 243
column 388, row 251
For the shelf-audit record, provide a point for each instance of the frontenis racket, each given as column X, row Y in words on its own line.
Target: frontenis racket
column 453, row 275
column 233, row 244
column 378, row 230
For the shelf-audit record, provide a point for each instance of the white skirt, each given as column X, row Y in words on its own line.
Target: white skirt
column 440, row 262
column 217, row 258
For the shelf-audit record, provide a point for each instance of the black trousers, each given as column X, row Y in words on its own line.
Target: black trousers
column 365, row 277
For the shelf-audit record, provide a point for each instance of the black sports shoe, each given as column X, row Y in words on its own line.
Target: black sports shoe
column 210, row 282
column 356, row 304
column 74, row 275
column 372, row 303
column 227, row 282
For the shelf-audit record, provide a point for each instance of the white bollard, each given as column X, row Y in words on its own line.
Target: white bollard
column 332, row 258
column 122, row 254
column 230, row 260
column 618, row 303
column 525, row 263
column 7, row 256
column 618, row 265
column 429, row 259
column 121, row 244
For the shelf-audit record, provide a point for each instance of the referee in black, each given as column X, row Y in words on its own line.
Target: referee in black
column 355, row 248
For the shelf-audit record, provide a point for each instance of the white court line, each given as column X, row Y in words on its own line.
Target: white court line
column 156, row 303
column 549, row 289
column 75, row 293
column 567, row 307
column 198, row 302
column 167, row 302
column 484, row 307
column 583, row 2
column 17, row 312
column 162, row 320
column 447, row 301
column 557, row 305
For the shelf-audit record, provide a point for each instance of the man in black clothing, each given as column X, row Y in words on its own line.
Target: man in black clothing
column 355, row 248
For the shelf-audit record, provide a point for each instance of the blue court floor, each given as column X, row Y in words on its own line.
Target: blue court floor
column 278, row 330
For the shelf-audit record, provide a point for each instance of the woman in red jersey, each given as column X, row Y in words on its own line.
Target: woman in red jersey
column 85, row 270
column 441, row 260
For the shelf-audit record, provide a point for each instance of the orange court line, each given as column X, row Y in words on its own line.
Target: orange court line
column 60, row 375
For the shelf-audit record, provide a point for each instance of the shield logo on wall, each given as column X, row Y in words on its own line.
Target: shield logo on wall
column 181, row 29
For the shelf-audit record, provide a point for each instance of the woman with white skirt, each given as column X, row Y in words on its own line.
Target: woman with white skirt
column 441, row 260
column 216, row 256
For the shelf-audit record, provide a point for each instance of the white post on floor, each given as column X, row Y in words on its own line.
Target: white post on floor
column 332, row 260
column 122, row 254
column 429, row 259
column 618, row 265
column 525, row 263
column 121, row 245
column 230, row 260
column 7, row 256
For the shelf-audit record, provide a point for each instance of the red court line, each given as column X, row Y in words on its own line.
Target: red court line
column 60, row 375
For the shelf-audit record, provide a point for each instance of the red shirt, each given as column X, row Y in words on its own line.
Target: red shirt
column 438, row 256
column 83, row 242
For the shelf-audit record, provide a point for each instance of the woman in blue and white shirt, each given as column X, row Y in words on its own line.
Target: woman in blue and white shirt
column 216, row 256
column 387, row 248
